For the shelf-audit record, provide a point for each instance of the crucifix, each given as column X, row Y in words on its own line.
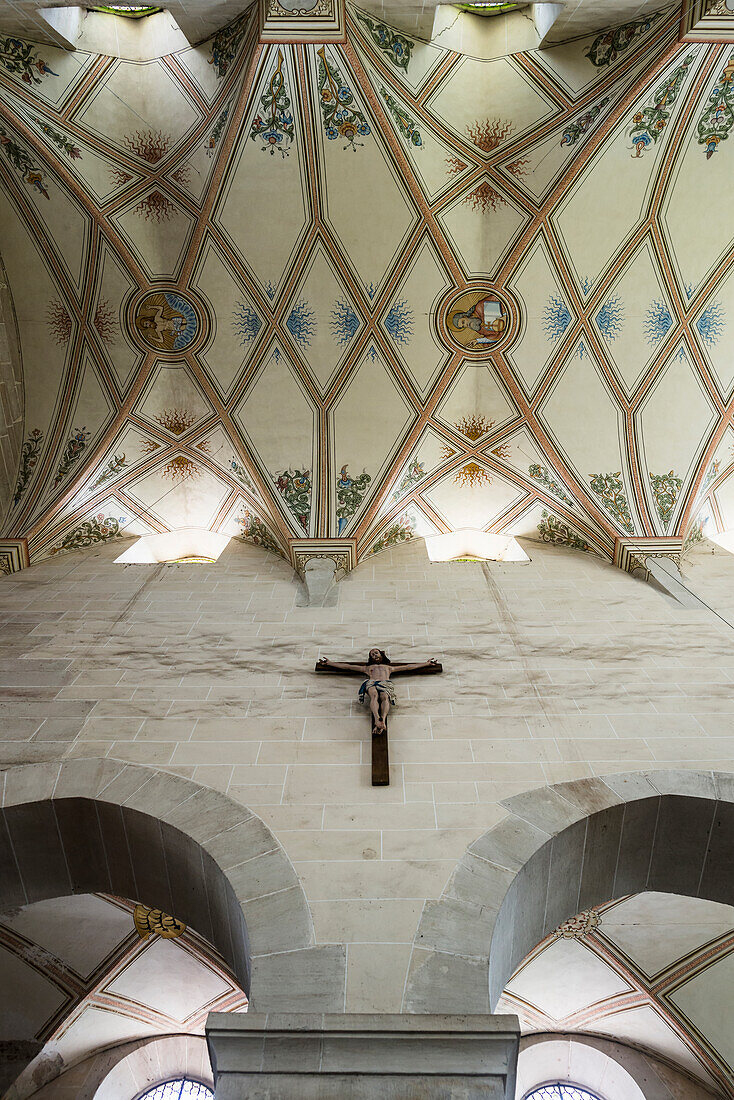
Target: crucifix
column 378, row 693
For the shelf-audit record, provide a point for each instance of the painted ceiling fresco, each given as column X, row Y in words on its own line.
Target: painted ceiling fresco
column 649, row 969
column 373, row 290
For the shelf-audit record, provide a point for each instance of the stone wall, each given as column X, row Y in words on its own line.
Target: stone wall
column 561, row 669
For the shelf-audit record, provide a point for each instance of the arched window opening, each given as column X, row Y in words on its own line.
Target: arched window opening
column 129, row 11
column 491, row 7
column 561, row 1091
column 182, row 1088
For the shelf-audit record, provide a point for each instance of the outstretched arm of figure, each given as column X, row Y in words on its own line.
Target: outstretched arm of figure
column 361, row 670
column 396, row 669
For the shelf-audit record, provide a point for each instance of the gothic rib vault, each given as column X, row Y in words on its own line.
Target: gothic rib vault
column 238, row 273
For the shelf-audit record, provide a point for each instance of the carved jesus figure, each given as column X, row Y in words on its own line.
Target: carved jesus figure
column 378, row 691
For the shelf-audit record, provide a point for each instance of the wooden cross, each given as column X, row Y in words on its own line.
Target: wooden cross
column 380, row 760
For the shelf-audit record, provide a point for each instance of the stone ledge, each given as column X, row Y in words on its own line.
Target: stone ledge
column 269, row 1048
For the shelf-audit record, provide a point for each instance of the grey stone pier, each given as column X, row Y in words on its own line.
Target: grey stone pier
column 338, row 1056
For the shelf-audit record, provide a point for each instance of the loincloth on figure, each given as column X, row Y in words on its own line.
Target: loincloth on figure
column 385, row 686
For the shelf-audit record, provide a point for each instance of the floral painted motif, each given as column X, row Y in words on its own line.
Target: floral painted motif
column 255, row 531
column 275, row 126
column 340, row 117
column 295, row 488
column 226, row 43
column 28, row 461
column 658, row 322
column 396, row 47
column 543, row 475
column 349, row 495
column 415, row 473
column 72, row 453
column 576, row 129
column 695, row 534
column 344, row 322
column 301, row 324
column 21, row 59
column 610, row 489
column 558, row 533
column 217, row 131
column 61, row 141
column 240, row 473
column 649, row 123
column 407, row 126
column 666, row 488
column 576, row 928
column 718, row 117
column 556, row 317
column 23, row 163
column 711, row 324
column 607, row 47
column 711, row 475
column 99, row 528
column 610, row 319
column 401, row 531
column 58, row 321
column 399, row 321
column 246, row 322
column 115, row 466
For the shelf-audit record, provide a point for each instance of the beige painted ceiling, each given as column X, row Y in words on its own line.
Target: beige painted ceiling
column 650, row 970
column 237, row 271
column 84, row 979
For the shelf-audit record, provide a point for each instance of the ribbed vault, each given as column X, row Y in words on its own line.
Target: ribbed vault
column 372, row 291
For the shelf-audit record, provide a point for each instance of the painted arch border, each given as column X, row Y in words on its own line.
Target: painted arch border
column 658, row 830
column 192, row 829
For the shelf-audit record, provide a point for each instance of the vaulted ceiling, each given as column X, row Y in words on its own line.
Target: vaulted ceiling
column 372, row 290
column 92, row 971
column 651, row 970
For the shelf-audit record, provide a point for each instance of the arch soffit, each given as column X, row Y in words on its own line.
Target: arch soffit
column 561, row 849
column 610, row 1068
column 169, row 842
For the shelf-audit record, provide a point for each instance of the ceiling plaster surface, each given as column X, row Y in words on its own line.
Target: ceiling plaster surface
column 83, row 980
column 668, row 963
column 247, row 316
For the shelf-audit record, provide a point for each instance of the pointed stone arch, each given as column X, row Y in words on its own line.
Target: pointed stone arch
column 560, row 850
column 92, row 825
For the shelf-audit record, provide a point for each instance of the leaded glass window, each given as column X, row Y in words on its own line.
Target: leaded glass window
column 561, row 1092
column 182, row 1088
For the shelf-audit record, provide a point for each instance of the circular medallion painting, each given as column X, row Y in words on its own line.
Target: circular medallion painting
column 167, row 321
column 476, row 320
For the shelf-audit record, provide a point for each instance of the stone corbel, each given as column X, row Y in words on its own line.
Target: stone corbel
column 321, row 564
